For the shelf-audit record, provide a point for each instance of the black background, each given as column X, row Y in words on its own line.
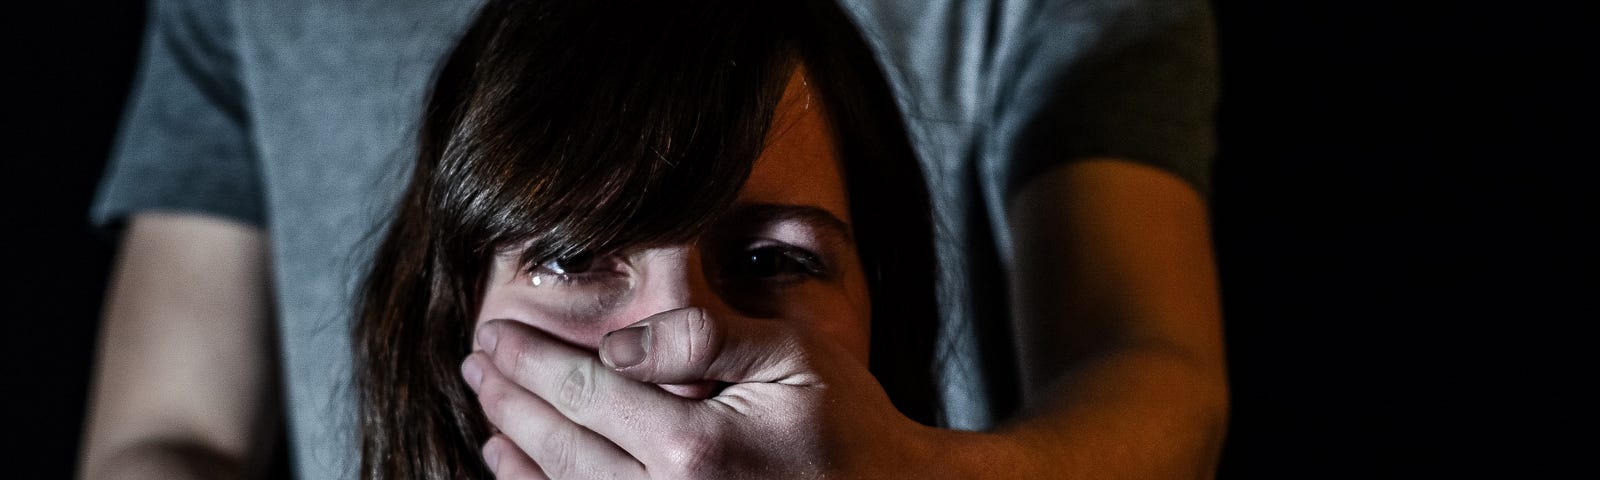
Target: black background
column 1399, row 206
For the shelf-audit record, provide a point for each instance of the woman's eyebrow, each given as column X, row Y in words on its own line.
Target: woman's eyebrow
column 752, row 214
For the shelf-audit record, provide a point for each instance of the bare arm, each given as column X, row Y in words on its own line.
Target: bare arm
column 1118, row 328
column 182, row 384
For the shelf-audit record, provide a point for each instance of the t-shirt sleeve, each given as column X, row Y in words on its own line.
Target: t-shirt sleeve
column 1128, row 79
column 184, row 142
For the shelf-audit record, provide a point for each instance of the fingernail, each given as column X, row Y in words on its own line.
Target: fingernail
column 625, row 348
column 491, row 454
column 472, row 373
column 487, row 337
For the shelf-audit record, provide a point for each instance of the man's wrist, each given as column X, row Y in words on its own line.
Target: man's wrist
column 964, row 454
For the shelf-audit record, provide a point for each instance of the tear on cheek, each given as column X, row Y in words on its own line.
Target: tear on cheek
column 695, row 391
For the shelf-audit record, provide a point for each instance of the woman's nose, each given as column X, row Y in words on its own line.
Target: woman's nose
column 673, row 278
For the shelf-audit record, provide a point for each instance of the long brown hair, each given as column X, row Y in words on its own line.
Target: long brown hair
column 575, row 126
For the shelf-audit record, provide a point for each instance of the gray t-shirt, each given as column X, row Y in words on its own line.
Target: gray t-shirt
column 996, row 92
column 300, row 117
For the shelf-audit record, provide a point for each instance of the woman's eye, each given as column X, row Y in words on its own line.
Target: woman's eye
column 756, row 278
column 579, row 269
column 580, row 263
column 773, row 263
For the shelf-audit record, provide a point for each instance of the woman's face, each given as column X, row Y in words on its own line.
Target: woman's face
column 783, row 252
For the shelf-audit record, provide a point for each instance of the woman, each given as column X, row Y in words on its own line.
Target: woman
column 583, row 168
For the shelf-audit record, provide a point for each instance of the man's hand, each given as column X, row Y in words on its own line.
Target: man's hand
column 1119, row 328
column 794, row 405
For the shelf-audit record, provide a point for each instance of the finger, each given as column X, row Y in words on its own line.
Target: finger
column 687, row 345
column 508, row 462
column 560, row 447
column 635, row 416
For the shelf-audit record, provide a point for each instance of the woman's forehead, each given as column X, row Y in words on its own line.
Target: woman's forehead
column 800, row 164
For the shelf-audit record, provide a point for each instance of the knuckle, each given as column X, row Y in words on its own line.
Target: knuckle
column 691, row 455
column 685, row 460
column 518, row 362
column 807, row 351
column 702, row 337
column 492, row 398
column 576, row 389
column 506, row 336
column 558, row 453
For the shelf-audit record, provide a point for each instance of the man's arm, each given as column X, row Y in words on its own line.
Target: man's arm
column 183, row 378
column 1118, row 324
column 1120, row 330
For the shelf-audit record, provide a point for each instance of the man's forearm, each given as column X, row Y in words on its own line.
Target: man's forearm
column 1138, row 412
column 183, row 382
column 1118, row 324
column 164, row 460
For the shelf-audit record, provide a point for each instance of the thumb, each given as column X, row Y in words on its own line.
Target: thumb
column 688, row 345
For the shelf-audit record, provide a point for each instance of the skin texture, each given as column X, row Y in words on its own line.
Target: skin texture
column 556, row 403
column 1118, row 298
column 183, row 288
column 1119, row 325
column 1119, row 329
column 794, row 198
